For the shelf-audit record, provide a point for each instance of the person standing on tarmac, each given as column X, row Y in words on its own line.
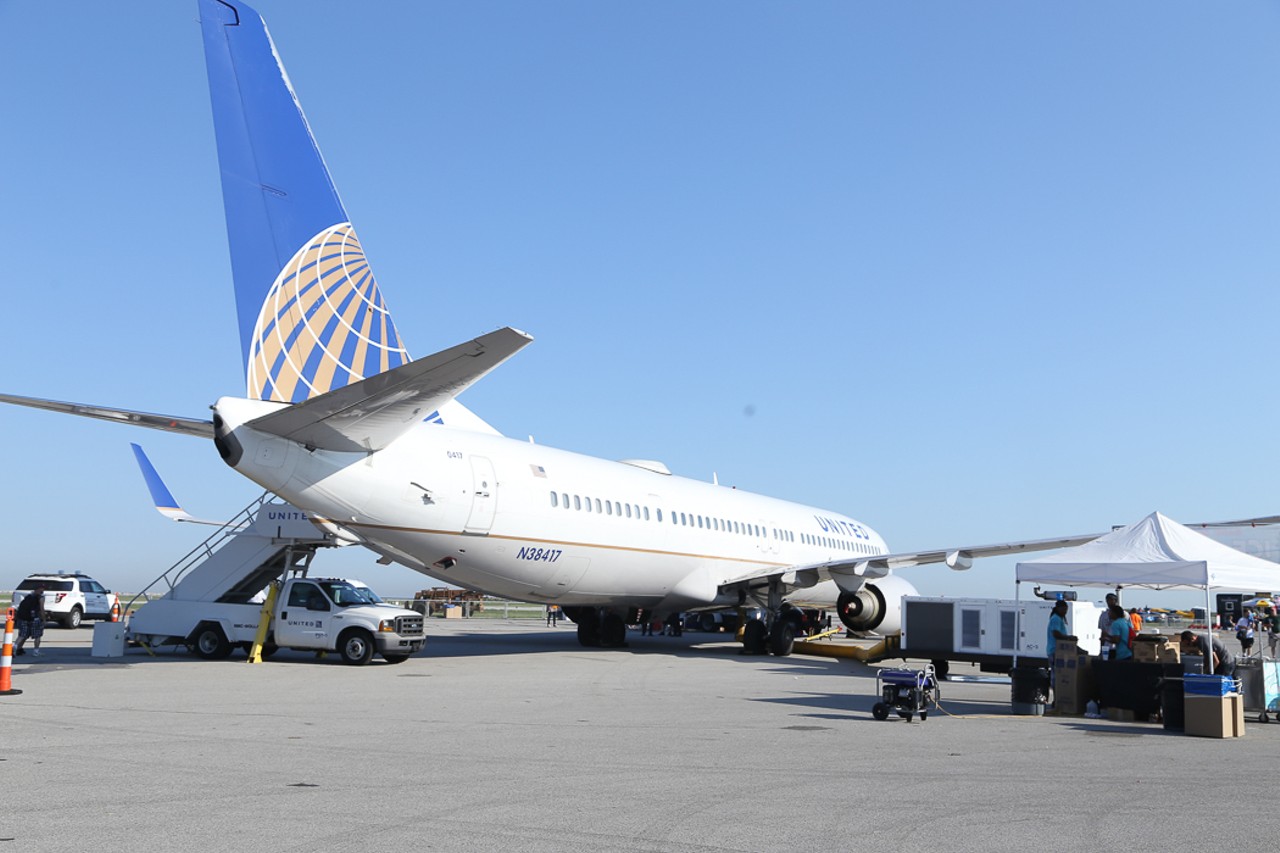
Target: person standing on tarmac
column 31, row 618
column 1121, row 633
column 1244, row 633
column 1104, row 624
column 1271, row 622
column 1057, row 628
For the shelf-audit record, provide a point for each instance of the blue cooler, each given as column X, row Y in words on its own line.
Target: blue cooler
column 1207, row 685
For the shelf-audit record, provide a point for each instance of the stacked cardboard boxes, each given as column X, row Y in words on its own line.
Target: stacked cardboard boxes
column 1155, row 648
column 1072, row 678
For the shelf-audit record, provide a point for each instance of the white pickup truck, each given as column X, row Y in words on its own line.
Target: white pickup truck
column 314, row 614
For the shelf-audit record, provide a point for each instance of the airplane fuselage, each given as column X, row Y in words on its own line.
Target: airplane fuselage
column 530, row 522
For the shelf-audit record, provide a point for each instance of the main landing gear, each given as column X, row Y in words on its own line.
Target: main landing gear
column 776, row 633
column 598, row 627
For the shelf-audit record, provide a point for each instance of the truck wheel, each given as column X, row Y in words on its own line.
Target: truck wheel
column 210, row 643
column 395, row 658
column 73, row 619
column 356, row 647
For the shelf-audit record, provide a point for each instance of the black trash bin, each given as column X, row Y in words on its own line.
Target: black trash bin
column 1172, row 708
column 1030, row 690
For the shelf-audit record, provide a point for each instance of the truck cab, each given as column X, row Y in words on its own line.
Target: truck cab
column 335, row 614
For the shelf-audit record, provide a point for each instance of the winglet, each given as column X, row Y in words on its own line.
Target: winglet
column 160, row 494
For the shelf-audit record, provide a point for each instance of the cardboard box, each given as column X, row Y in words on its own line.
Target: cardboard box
column 454, row 612
column 1210, row 716
column 1073, row 684
column 1169, row 654
column 1147, row 648
column 1237, row 714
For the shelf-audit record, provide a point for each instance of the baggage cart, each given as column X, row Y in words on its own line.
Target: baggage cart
column 1260, row 686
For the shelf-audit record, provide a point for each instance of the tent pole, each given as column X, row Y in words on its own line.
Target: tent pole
column 1017, row 621
column 1208, row 632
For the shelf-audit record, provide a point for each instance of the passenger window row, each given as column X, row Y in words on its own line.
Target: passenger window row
column 584, row 503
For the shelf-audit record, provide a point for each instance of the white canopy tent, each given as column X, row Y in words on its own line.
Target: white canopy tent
column 1155, row 553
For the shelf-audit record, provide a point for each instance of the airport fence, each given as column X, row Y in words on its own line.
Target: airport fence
column 486, row 608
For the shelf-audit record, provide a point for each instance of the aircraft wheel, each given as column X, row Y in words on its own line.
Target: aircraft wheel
column 880, row 711
column 783, row 639
column 754, row 638
column 613, row 631
column 589, row 631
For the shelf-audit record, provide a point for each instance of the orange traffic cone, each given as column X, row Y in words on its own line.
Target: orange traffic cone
column 115, row 610
column 6, row 659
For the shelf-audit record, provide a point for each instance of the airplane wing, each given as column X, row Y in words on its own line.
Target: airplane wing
column 852, row 571
column 370, row 414
column 849, row 573
column 164, row 500
column 168, row 423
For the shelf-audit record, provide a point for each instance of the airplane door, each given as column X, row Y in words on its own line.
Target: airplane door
column 768, row 544
column 484, row 496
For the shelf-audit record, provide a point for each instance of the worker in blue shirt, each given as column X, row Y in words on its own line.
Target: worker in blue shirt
column 1057, row 628
column 1120, row 630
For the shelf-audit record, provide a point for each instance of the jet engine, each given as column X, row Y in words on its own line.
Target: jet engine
column 875, row 606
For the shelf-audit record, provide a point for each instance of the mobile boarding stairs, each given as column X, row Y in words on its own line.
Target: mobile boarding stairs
column 267, row 540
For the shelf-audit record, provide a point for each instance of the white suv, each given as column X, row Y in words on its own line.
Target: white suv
column 69, row 599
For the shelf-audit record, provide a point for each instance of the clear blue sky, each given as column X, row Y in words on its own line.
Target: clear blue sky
column 967, row 272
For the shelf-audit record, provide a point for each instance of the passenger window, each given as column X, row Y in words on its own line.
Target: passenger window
column 587, row 501
column 608, row 507
column 555, row 499
column 577, row 502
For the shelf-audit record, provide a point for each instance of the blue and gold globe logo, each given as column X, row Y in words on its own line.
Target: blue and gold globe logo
column 323, row 323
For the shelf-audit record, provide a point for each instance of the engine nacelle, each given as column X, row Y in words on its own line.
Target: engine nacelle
column 875, row 606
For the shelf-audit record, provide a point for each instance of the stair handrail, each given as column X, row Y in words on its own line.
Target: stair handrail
column 231, row 528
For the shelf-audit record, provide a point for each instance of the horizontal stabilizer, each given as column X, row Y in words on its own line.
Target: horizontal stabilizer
column 372, row 413
column 168, row 423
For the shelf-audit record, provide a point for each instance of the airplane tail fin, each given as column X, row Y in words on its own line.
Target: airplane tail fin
column 311, row 315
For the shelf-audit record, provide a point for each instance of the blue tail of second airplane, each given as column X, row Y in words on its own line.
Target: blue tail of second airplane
column 311, row 315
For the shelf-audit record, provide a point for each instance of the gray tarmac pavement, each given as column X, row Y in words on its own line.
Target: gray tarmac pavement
column 509, row 736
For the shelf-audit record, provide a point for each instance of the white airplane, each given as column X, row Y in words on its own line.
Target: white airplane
column 373, row 446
